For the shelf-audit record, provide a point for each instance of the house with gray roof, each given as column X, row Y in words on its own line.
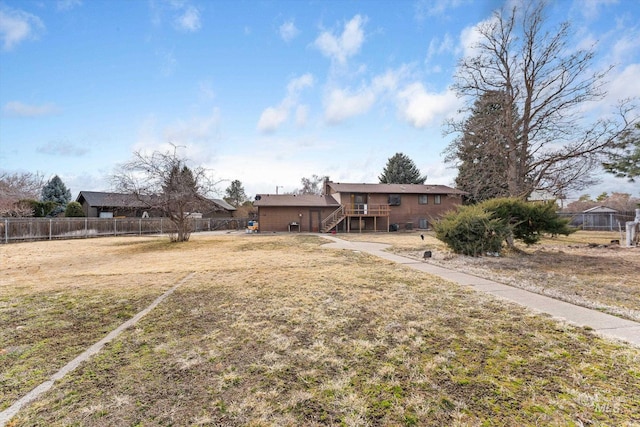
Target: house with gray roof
column 346, row 207
column 108, row 205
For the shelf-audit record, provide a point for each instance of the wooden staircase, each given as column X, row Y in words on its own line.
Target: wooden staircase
column 332, row 220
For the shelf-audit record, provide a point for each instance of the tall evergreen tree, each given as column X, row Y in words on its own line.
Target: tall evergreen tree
column 234, row 194
column 55, row 191
column 400, row 169
column 482, row 150
column 547, row 81
column 624, row 160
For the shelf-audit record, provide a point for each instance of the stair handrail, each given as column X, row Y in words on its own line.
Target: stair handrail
column 333, row 217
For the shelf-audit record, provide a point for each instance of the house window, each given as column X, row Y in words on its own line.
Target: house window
column 423, row 199
column 394, row 199
column 423, row 224
column 436, row 199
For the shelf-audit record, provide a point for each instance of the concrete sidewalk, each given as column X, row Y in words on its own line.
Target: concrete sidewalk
column 603, row 324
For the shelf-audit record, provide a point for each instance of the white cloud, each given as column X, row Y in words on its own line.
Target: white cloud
column 168, row 62
column 63, row 148
column 205, row 90
column 288, row 31
column 421, row 108
column 197, row 129
column 341, row 105
column 68, row 4
column 19, row 109
column 17, row 26
column 625, row 84
column 273, row 117
column 340, row 47
column 189, row 20
column 590, row 8
column 469, row 39
column 429, row 8
column 302, row 115
column 438, row 47
column 194, row 136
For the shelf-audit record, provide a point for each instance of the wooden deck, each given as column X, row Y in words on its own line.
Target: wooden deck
column 357, row 212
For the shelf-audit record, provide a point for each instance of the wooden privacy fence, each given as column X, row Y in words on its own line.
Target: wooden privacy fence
column 27, row 229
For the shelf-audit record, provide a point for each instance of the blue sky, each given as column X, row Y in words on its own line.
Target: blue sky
column 266, row 92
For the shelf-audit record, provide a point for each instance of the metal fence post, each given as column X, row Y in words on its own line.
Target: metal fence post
column 115, row 227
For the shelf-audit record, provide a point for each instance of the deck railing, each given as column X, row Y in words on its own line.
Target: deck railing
column 367, row 210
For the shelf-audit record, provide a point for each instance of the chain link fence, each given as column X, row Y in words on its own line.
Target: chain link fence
column 599, row 221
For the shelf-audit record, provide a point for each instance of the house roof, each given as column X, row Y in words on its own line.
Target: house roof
column 300, row 200
column 99, row 198
column 600, row 209
column 393, row 188
column 224, row 205
column 120, row 200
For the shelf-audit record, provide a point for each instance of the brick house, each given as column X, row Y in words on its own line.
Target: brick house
column 348, row 207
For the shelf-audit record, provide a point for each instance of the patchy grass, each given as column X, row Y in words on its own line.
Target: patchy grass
column 273, row 330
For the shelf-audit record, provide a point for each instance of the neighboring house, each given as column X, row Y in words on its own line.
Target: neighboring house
column 109, row 205
column 357, row 207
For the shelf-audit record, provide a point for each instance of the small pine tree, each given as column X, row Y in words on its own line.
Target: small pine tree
column 528, row 221
column 55, row 191
column 472, row 231
column 74, row 209
column 400, row 169
column 234, row 194
column 477, row 229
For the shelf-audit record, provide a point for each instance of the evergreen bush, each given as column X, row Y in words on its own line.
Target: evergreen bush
column 74, row 209
column 471, row 230
column 528, row 221
column 478, row 229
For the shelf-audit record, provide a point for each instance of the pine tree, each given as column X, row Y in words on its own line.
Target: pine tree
column 234, row 194
column 624, row 160
column 482, row 151
column 400, row 169
column 55, row 191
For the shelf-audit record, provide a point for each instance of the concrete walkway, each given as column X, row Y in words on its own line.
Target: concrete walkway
column 603, row 324
column 11, row 411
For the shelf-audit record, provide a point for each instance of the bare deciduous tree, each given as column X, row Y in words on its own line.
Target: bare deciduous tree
column 18, row 187
column 313, row 185
column 546, row 81
column 163, row 183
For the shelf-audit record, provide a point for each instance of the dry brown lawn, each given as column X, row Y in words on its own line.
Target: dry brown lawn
column 272, row 330
column 583, row 268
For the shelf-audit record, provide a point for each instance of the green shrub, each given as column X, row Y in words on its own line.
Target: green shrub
column 471, row 230
column 40, row 209
column 478, row 229
column 74, row 209
column 528, row 221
